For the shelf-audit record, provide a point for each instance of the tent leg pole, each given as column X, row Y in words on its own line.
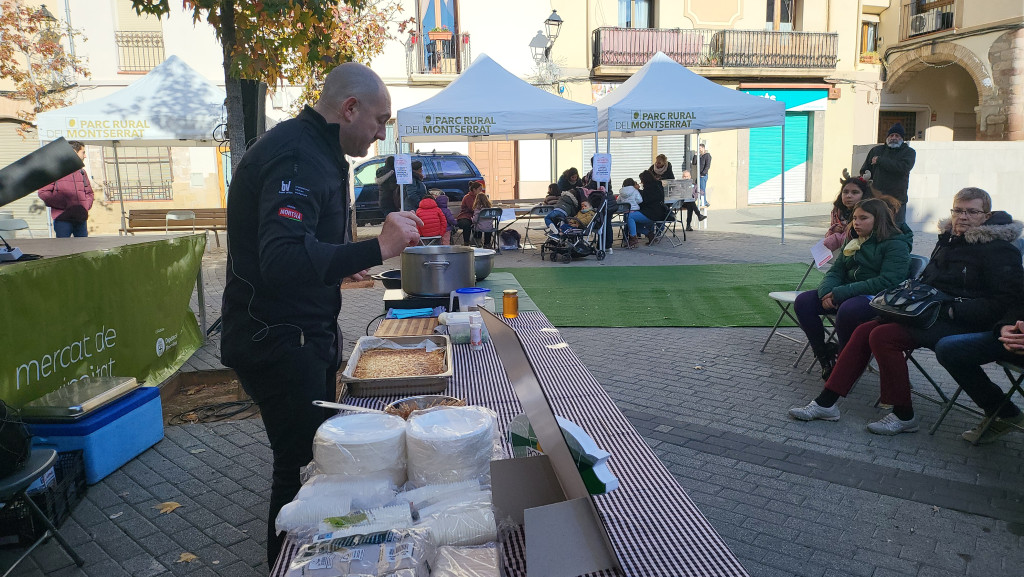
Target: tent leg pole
column 783, row 183
column 120, row 190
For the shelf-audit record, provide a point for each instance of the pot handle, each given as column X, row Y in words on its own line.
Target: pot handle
column 438, row 263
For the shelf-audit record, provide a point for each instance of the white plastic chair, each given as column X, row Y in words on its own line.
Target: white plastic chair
column 179, row 215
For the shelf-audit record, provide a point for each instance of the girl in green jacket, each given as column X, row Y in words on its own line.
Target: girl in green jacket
column 876, row 257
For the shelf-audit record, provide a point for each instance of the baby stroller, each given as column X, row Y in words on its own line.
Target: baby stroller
column 573, row 243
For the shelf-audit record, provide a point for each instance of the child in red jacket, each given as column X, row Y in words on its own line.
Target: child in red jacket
column 434, row 221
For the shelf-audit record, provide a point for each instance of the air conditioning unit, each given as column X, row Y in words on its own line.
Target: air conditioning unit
column 929, row 21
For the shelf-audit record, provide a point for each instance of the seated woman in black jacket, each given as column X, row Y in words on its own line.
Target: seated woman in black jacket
column 662, row 168
column 974, row 262
column 652, row 209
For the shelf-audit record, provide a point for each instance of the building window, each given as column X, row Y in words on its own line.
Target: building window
column 636, row 14
column 780, row 15
column 387, row 146
column 869, row 42
column 144, row 173
column 138, row 52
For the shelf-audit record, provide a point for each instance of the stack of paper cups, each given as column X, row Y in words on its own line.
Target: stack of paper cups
column 361, row 444
column 450, row 444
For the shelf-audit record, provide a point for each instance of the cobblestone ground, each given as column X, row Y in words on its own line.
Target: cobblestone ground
column 790, row 498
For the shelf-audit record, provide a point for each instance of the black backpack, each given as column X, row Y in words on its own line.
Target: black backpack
column 15, row 440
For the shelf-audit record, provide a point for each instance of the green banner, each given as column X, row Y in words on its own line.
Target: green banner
column 121, row 312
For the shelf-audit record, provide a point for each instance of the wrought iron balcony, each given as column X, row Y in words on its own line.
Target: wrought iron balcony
column 138, row 52
column 716, row 48
column 434, row 53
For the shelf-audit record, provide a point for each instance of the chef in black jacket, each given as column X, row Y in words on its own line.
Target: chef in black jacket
column 289, row 247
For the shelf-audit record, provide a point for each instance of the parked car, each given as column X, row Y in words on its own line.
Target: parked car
column 448, row 171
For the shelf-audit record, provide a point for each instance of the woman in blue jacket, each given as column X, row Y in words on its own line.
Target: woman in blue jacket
column 876, row 257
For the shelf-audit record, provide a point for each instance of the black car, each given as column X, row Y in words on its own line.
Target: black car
column 448, row 171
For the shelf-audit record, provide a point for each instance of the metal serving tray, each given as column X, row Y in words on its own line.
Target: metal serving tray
column 78, row 399
column 382, row 387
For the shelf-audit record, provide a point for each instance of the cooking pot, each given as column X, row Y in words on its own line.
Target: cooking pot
column 391, row 279
column 483, row 261
column 437, row 270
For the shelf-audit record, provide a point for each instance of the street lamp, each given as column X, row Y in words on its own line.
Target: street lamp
column 553, row 25
column 541, row 44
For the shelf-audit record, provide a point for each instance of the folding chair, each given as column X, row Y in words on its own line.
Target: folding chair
column 494, row 216
column 14, row 224
column 663, row 227
column 619, row 218
column 430, row 240
column 535, row 221
column 15, row 486
column 785, row 300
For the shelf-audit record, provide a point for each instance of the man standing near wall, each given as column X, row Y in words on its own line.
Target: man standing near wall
column 890, row 165
column 704, row 163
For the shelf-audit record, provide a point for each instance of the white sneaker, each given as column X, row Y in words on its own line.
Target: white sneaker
column 553, row 229
column 892, row 425
column 815, row 411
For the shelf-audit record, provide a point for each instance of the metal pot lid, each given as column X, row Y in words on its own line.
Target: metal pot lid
column 435, row 250
column 483, row 251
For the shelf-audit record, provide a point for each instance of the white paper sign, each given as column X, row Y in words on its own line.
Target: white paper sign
column 603, row 167
column 403, row 168
column 507, row 214
column 821, row 254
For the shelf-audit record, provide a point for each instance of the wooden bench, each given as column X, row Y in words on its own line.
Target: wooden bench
column 155, row 220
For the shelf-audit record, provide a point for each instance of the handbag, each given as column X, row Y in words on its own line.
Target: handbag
column 912, row 303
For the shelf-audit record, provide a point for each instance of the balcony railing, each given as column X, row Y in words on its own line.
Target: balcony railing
column 928, row 18
column 440, row 55
column 138, row 52
column 716, row 48
column 138, row 190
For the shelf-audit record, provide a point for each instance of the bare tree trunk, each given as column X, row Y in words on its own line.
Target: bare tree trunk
column 232, row 86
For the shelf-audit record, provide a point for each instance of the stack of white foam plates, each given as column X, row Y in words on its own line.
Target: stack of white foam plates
column 450, row 444
column 361, row 444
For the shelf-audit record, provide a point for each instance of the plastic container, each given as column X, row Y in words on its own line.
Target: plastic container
column 108, row 437
column 476, row 341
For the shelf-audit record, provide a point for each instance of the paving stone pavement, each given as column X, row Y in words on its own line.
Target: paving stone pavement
column 822, row 499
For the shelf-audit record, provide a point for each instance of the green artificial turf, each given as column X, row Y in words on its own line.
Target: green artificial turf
column 716, row 295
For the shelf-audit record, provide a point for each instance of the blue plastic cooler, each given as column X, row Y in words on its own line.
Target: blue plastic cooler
column 110, row 436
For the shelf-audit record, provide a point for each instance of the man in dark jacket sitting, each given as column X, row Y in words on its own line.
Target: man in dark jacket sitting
column 890, row 165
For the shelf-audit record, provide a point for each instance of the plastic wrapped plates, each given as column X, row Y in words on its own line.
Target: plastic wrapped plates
column 361, row 444
column 450, row 444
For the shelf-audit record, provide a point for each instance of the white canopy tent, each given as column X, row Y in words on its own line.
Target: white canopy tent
column 667, row 98
column 172, row 105
column 487, row 102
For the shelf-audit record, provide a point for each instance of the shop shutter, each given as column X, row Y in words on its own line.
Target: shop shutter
column 765, row 155
column 630, row 157
column 12, row 147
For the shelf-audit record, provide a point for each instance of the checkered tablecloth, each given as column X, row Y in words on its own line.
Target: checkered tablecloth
column 654, row 526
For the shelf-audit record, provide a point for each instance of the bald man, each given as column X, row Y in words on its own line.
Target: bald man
column 289, row 247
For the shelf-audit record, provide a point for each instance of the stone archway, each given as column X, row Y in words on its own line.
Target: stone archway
column 1000, row 112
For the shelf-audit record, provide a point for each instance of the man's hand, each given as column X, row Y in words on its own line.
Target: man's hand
column 400, row 230
column 1012, row 337
column 826, row 302
column 361, row 275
